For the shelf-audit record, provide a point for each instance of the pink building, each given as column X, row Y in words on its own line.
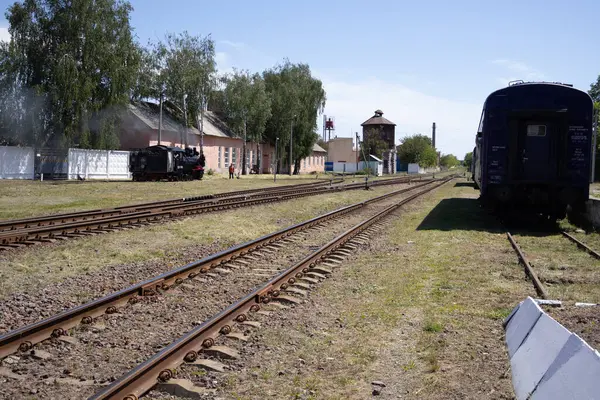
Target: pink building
column 221, row 146
column 315, row 162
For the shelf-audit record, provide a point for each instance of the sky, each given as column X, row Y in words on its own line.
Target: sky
column 418, row 61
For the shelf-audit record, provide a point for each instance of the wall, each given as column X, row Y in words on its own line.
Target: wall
column 341, row 150
column 350, row 168
column 386, row 133
column 314, row 163
column 16, row 162
column 98, row 164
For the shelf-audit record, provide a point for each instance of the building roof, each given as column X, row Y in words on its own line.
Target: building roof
column 377, row 119
column 317, row 148
column 148, row 113
column 215, row 126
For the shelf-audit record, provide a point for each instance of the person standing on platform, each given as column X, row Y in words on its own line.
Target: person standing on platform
column 231, row 171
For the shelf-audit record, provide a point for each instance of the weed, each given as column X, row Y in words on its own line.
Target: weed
column 407, row 367
column 434, row 327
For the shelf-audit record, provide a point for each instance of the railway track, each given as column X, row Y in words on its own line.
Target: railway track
column 287, row 287
column 24, row 338
column 198, row 286
column 538, row 283
column 24, row 232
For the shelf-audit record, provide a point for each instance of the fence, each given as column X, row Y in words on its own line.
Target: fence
column 17, row 162
column 352, row 167
column 98, row 164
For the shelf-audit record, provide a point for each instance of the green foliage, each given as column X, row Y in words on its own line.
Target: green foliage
column 373, row 144
column 417, row 149
column 468, row 159
column 594, row 91
column 323, row 144
column 186, row 66
column 297, row 98
column 67, row 63
column 247, row 104
column 448, row 161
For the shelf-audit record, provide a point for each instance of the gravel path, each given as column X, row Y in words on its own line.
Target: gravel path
column 117, row 342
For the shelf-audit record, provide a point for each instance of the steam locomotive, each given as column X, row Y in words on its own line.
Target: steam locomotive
column 156, row 163
column 534, row 147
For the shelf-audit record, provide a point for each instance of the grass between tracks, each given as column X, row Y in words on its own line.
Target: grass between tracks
column 37, row 266
column 422, row 312
column 20, row 199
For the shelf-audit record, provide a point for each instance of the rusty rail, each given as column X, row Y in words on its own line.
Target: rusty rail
column 539, row 288
column 33, row 235
column 22, row 339
column 160, row 366
column 581, row 245
column 14, row 224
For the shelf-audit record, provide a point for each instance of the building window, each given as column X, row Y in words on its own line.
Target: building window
column 219, row 157
column 308, row 161
column 233, row 156
column 227, row 152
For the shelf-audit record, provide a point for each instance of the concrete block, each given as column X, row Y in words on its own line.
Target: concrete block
column 574, row 374
column 520, row 324
column 535, row 355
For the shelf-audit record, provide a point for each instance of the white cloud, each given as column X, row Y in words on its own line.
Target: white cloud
column 235, row 45
column 524, row 71
column 4, row 35
column 223, row 62
column 412, row 112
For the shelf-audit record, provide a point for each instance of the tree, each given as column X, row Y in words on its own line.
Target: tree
column 372, row 145
column 448, row 161
column 468, row 160
column 247, row 107
column 323, row 144
column 594, row 91
column 186, row 67
column 417, row 149
column 67, row 64
column 297, row 98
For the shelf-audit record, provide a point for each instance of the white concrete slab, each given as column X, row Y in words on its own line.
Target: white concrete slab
column 574, row 374
column 533, row 358
column 521, row 323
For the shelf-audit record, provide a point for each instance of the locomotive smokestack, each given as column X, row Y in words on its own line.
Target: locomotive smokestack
column 433, row 135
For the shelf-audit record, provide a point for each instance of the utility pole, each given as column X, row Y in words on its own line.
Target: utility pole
column 291, row 136
column 244, row 149
column 357, row 152
column 275, row 162
column 160, row 117
column 202, row 107
column 184, row 142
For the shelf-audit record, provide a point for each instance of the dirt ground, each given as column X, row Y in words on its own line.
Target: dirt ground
column 584, row 321
column 420, row 311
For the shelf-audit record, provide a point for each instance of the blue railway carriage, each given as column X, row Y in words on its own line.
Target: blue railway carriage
column 534, row 147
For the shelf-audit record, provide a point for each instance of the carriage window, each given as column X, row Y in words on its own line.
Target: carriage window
column 536, row 130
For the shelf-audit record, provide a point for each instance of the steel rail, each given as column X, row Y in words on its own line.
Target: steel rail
column 81, row 215
column 160, row 367
column 22, row 339
column 33, row 234
column 539, row 288
column 581, row 245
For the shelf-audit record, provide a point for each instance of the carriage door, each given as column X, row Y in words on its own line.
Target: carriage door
column 536, row 150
